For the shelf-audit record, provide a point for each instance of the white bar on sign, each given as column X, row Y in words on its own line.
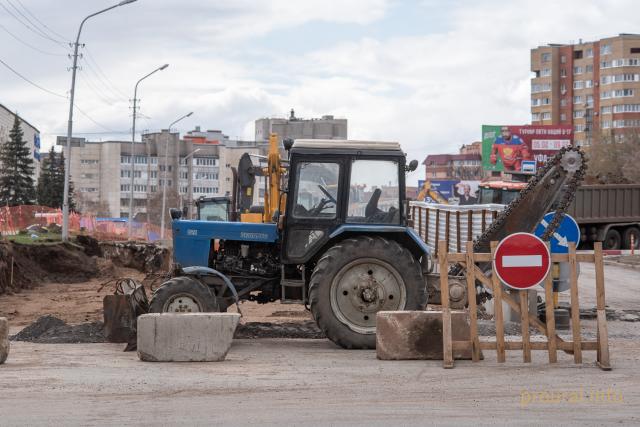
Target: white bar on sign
column 522, row 261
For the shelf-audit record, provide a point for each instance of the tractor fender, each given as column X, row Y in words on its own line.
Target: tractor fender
column 206, row 271
column 405, row 235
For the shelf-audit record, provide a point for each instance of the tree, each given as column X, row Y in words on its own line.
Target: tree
column 16, row 175
column 614, row 159
column 44, row 189
column 58, row 185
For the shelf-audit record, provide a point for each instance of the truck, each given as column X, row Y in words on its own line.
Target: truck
column 607, row 213
column 334, row 236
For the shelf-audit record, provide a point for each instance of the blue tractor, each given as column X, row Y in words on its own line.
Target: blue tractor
column 341, row 245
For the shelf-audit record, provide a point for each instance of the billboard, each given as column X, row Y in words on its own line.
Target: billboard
column 451, row 191
column 514, row 148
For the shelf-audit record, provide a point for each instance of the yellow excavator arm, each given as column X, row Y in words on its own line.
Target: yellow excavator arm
column 427, row 191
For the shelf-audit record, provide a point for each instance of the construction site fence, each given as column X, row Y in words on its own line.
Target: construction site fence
column 17, row 219
column 454, row 224
column 517, row 300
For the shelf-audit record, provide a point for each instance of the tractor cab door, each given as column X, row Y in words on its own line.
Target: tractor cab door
column 314, row 205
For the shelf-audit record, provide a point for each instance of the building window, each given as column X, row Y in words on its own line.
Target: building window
column 626, row 108
column 154, row 188
column 546, row 72
column 546, row 116
column 605, row 110
column 89, row 190
column 153, row 174
column 154, row 160
column 577, row 99
column 578, row 84
column 161, row 182
column 563, row 72
column 545, row 57
column 140, row 160
column 184, row 190
column 606, row 124
column 589, row 53
column 205, row 161
column 125, row 174
column 164, row 168
column 535, row 102
column 125, row 187
column 88, row 162
column 579, row 128
column 535, row 117
column 577, row 54
column 184, row 175
column 589, row 100
column 563, row 59
column 563, row 117
column 578, row 114
column 634, row 50
column 125, row 160
column 563, row 102
column 577, row 70
column 588, row 84
column 605, row 49
column 546, row 101
column 140, row 188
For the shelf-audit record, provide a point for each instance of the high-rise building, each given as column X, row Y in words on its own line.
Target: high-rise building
column 593, row 86
column 326, row 127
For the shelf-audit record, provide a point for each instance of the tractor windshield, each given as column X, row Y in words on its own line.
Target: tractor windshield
column 213, row 210
column 374, row 192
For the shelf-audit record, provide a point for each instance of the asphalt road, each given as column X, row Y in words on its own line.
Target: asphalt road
column 310, row 382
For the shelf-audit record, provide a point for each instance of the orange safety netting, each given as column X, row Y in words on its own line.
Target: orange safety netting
column 16, row 218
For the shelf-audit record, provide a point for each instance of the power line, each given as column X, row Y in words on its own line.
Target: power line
column 91, row 59
column 107, row 89
column 29, row 45
column 29, row 27
column 33, row 24
column 42, row 23
column 30, row 82
column 75, row 105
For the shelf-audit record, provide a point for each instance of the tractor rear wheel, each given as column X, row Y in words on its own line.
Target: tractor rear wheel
column 355, row 279
column 183, row 295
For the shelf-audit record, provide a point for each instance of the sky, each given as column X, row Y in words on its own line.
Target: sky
column 425, row 73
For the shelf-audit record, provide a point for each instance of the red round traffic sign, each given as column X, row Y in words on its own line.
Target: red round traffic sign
column 522, row 261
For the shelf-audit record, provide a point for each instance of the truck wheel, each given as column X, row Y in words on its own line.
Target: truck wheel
column 612, row 239
column 626, row 237
column 183, row 295
column 357, row 278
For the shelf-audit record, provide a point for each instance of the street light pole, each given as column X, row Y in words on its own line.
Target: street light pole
column 132, row 156
column 164, row 182
column 72, row 92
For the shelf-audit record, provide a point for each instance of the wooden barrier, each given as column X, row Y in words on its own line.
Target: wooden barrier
column 518, row 301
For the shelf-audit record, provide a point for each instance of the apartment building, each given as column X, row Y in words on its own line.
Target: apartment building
column 31, row 135
column 326, row 127
column 593, row 86
column 466, row 165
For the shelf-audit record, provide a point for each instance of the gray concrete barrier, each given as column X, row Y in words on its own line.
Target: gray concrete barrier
column 411, row 335
column 4, row 339
column 187, row 337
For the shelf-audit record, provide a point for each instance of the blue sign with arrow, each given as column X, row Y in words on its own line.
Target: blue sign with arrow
column 568, row 231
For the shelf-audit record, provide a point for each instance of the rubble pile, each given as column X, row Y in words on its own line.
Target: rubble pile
column 145, row 257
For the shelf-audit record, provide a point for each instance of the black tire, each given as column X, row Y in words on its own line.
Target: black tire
column 172, row 290
column 612, row 239
column 626, row 237
column 345, row 258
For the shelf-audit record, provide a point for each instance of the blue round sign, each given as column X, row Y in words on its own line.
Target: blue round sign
column 568, row 231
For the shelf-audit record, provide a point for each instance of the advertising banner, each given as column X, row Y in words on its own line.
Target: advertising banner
column 449, row 191
column 509, row 148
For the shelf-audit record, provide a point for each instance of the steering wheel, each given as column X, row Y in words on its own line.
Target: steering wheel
column 326, row 193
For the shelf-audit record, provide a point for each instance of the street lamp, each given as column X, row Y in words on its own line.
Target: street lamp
column 133, row 140
column 67, row 166
column 164, row 182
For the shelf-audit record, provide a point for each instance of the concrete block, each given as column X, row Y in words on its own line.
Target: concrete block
column 185, row 337
column 417, row 335
column 4, row 339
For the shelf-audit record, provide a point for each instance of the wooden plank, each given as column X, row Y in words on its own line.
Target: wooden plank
column 461, row 345
column 473, row 309
column 447, row 227
column 456, row 257
column 538, row 345
column 550, row 317
column 484, row 221
column 470, row 225
column 458, row 231
column 497, row 309
column 426, row 225
column 575, row 304
column 580, row 257
column 437, row 239
column 420, row 223
column 447, row 348
column 524, row 322
column 602, row 329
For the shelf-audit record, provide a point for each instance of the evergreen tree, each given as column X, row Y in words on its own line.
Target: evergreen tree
column 45, row 181
column 58, row 185
column 16, row 175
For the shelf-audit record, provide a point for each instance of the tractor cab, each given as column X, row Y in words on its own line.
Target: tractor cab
column 338, row 187
column 214, row 208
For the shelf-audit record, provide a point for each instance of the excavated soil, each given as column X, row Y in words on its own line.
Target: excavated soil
column 51, row 330
column 34, row 264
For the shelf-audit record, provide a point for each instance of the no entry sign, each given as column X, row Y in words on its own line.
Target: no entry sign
column 521, row 261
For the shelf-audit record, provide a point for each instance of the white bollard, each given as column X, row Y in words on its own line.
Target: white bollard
column 185, row 337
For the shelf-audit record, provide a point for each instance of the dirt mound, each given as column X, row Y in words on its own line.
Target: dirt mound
column 145, row 257
column 37, row 263
column 250, row 330
column 91, row 246
column 51, row 330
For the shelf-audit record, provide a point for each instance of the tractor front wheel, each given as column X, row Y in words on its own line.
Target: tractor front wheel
column 355, row 279
column 183, row 295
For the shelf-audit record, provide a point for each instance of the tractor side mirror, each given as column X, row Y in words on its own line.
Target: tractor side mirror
column 287, row 143
column 413, row 165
